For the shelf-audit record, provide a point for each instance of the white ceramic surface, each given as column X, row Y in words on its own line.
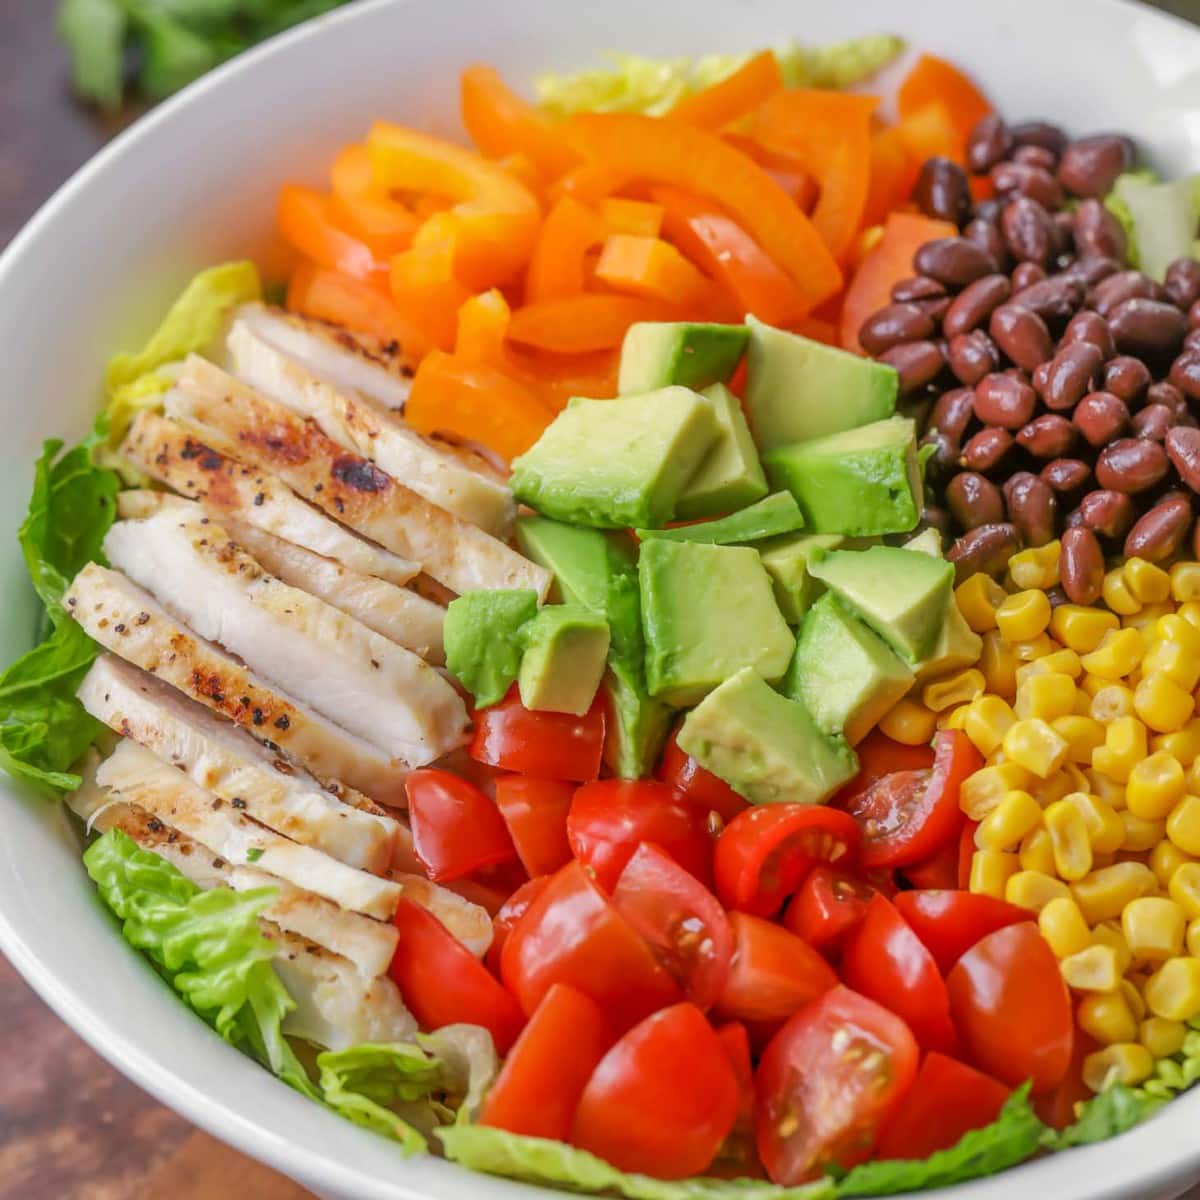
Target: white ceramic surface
column 193, row 183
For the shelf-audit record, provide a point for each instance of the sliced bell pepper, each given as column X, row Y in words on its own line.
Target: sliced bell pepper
column 569, row 231
column 785, row 169
column 501, row 123
column 631, row 216
column 931, row 132
column 424, row 289
column 589, row 183
column 482, row 327
column 307, row 221
column 699, row 161
column 893, row 173
column 580, row 324
column 555, row 380
column 734, row 96
column 384, row 224
column 934, row 80
column 650, row 267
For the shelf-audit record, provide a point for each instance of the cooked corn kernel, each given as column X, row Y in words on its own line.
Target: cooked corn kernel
column 1118, row 653
column 1023, row 615
column 1032, row 650
column 1069, row 837
column 1083, row 734
column 1124, row 748
column 1127, row 1063
column 1118, row 595
column 1062, row 783
column 998, row 662
column 910, row 723
column 990, row 871
column 1174, row 627
column 1165, row 859
column 1174, row 660
column 1184, row 888
column 1081, row 628
column 1193, row 937
column 1141, row 835
column 1162, row 703
column 1044, row 696
column 1011, row 819
column 1185, row 582
column 1109, row 790
column 1091, row 684
column 1148, row 583
column 1183, row 825
column 1105, row 829
column 1033, row 745
column 1183, row 744
column 1162, row 1037
column 1133, row 997
column 1057, row 662
column 953, row 718
column 1037, row 567
column 981, row 792
column 1147, row 618
column 1037, row 852
column 1173, row 991
column 1106, row 1017
column 1092, row 970
column 959, row 688
column 1154, row 928
column 1104, row 893
column 978, row 598
column 1063, row 926
column 1033, row 890
column 1189, row 610
column 1155, row 785
column 1108, row 933
column 986, row 722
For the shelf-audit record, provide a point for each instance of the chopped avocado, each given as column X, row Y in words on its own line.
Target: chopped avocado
column 658, row 354
column 617, row 464
column 844, row 674
column 928, row 541
column 862, row 481
column 775, row 515
column 566, row 646
column 898, row 593
column 637, row 722
column 578, row 558
column 798, row 389
column 1164, row 217
column 786, row 560
column 957, row 645
column 730, row 477
column 766, row 747
column 707, row 612
column 484, row 634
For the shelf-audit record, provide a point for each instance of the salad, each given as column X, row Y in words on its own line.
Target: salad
column 661, row 659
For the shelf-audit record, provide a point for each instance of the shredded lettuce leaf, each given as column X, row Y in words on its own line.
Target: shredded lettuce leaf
column 207, row 944
column 1103, row 1116
column 94, row 32
column 1160, row 218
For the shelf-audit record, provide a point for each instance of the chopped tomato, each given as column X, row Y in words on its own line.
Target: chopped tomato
column 736, row 1041
column 878, row 756
column 610, row 819
column 681, row 920
column 908, row 816
column 695, row 784
column 947, row 1100
column 940, row 871
column 443, row 983
column 572, row 934
column 1013, row 1009
column 535, row 811
column 456, row 828
column 772, row 972
column 966, row 852
column 1058, row 1107
column 765, row 852
column 951, row 922
column 885, row 960
column 549, row 745
column 509, row 913
column 662, row 1100
column 828, row 905
column 538, row 1088
column 827, row 1083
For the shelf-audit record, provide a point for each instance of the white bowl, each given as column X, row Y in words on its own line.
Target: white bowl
column 194, row 183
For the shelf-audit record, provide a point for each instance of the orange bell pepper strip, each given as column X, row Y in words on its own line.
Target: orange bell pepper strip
column 580, row 324
column 893, row 173
column 830, row 133
column 672, row 153
column 307, row 221
column 930, row 132
column 482, row 327
column 638, row 217
column 569, row 231
column 890, row 261
column 424, row 289
column 933, row 80
column 475, row 401
column 589, row 183
column 329, row 296
column 555, row 379
column 501, row 123
column 785, row 169
column 732, row 97
column 727, row 252
column 368, row 212
column 650, row 267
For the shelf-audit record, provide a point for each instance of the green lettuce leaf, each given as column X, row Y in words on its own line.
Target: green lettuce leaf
column 1102, row 1117
column 469, row 1065
column 839, row 65
column 207, row 944
column 536, row 1160
column 1159, row 217
column 94, row 31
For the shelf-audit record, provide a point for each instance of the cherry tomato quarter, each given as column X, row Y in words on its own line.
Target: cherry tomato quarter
column 535, row 811
column 696, row 785
column 509, row 913
column 456, row 828
column 543, row 744
column 828, row 905
column 949, row 923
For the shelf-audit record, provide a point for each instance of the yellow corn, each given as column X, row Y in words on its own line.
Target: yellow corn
column 953, row 718
column 1155, row 785
column 1011, row 819
column 1193, row 777
column 1063, row 926
column 1059, row 785
column 1057, row 662
column 1023, row 615
column 1189, row 610
column 910, row 723
column 959, row 688
column 1175, row 627
column 1032, row 650
column 1141, row 835
column 1079, row 628
column 1037, row 852
column 978, row 598
column 1117, row 594
column 1162, row 703
column 1185, row 582
column 1069, row 837
column 1037, row 567
column 1154, row 927
column 1162, row 1037
column 1146, row 618
column 1033, row 745
column 1083, row 734
column 1183, row 744
column 1108, row 933
column 1106, row 1017
column 1174, row 660
column 1183, row 825
column 1109, row 790
column 1083, row 703
column 1091, row 684
column 1104, row 893
column 1105, row 829
column 1184, row 888
column 998, row 662
column 1092, row 970
column 991, row 871
column 1127, row 1063
column 1133, row 997
column 1124, row 748
column 1165, row 859
column 986, row 722
column 1173, row 991
column 1148, row 584
column 1045, row 696
column 1193, row 937
column 1033, row 890
column 983, row 791
column 1118, row 653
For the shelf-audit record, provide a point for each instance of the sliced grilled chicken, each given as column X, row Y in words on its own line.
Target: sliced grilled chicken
column 127, row 620
column 238, row 421
column 170, row 454
column 258, row 344
column 330, row 661
column 228, row 762
column 144, row 779
column 408, row 619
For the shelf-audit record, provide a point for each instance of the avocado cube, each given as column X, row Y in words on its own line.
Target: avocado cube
column 637, row 723
column 957, row 645
column 707, row 612
column 777, row 514
column 566, row 647
column 730, row 477
column 766, row 747
column 844, row 674
column 786, row 559
column 928, row 541
column 577, row 558
column 901, row 594
column 484, row 633
column 797, row 389
column 657, row 354
column 863, row 481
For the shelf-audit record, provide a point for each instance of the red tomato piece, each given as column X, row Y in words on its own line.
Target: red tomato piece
column 509, row 913
column 443, row 983
column 662, row 1100
column 908, row 816
column 736, row 1041
column 682, row 921
column 940, row 871
column 828, row 905
column 966, row 852
column 951, row 922
column 539, row 1086
column 878, row 756
column 772, row 972
column 947, row 1100
column 610, row 819
column 828, row 1082
column 456, row 828
column 884, row 960
column 695, row 784
column 1013, row 1009
column 765, row 852
column 572, row 934
column 1058, row 1106
column 549, row 745
column 535, row 811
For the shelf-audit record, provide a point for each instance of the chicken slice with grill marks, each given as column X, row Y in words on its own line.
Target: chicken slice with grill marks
column 176, row 458
column 364, row 682
column 127, row 620
column 406, row 618
column 264, row 434
column 267, row 352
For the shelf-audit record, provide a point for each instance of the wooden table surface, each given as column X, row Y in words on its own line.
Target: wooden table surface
column 72, row 1128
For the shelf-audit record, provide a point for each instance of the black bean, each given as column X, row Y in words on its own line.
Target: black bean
column 1054, row 300
column 1147, row 327
column 1090, row 166
column 1183, row 449
column 1124, row 285
column 987, row 548
column 1047, row 436
column 987, row 236
column 1066, row 475
column 1127, row 378
column 974, row 304
column 972, row 355
column 1107, row 512
column 1036, row 182
column 916, row 287
column 1026, row 274
column 974, row 500
column 1087, row 326
column 892, row 325
column 1097, row 232
column 1152, row 423
column 1092, row 269
column 1063, row 380
column 1021, row 334
column 1004, row 400
column 1081, row 565
column 1182, row 282
column 917, row 364
column 942, row 191
column 1032, row 507
column 1131, row 465
column 1100, row 417
column 1040, row 133
column 988, row 142
column 1157, row 535
column 986, row 449
column 955, row 261
column 1185, row 373
column 1028, row 230
column 1036, row 156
